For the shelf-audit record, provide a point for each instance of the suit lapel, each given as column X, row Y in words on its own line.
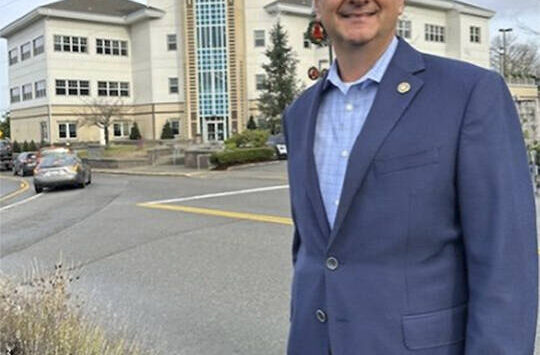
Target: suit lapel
column 386, row 111
column 312, row 179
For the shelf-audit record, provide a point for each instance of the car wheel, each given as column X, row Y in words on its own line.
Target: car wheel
column 38, row 188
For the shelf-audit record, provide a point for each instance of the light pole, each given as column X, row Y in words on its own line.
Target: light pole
column 504, row 31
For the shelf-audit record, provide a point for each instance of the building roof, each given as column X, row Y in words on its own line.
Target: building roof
column 103, row 7
column 121, row 12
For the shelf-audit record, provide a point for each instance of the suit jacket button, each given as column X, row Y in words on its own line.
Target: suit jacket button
column 332, row 263
column 321, row 316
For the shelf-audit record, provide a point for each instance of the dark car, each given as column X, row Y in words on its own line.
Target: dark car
column 278, row 143
column 62, row 169
column 6, row 154
column 24, row 163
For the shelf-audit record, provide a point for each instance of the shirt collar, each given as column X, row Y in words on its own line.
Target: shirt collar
column 375, row 74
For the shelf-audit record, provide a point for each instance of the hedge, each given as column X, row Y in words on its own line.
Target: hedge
column 241, row 156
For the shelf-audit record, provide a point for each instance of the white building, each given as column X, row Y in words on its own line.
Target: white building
column 193, row 63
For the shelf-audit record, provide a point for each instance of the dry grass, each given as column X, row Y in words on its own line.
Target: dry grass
column 38, row 316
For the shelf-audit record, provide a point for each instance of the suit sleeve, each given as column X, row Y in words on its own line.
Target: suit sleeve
column 296, row 236
column 498, row 218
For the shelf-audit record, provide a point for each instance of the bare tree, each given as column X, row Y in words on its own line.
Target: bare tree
column 102, row 113
column 521, row 58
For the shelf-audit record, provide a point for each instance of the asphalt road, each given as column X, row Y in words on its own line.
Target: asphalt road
column 189, row 276
column 186, row 283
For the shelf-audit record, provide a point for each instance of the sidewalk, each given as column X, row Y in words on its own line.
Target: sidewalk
column 270, row 170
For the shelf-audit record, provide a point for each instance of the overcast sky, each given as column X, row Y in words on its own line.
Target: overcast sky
column 521, row 15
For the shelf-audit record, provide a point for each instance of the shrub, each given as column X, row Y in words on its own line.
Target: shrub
column 167, row 132
column 227, row 158
column 16, row 147
column 248, row 139
column 25, row 146
column 32, row 146
column 36, row 318
column 135, row 134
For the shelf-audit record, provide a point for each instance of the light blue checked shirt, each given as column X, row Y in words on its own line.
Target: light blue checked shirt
column 340, row 119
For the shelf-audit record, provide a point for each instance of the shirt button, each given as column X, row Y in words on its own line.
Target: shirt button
column 344, row 154
column 349, row 107
column 332, row 263
column 336, row 202
column 321, row 316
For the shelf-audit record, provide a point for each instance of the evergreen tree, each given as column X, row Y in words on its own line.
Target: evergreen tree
column 167, row 132
column 32, row 146
column 251, row 125
column 4, row 125
column 135, row 134
column 16, row 147
column 280, row 85
column 25, row 146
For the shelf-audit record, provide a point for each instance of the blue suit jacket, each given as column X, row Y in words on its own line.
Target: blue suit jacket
column 435, row 236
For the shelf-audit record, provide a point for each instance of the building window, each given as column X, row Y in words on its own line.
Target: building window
column 123, row 48
column 173, row 85
column 404, row 29
column 27, row 92
column 44, row 131
column 175, row 127
column 259, row 81
column 67, row 130
column 113, row 88
column 15, row 95
column 70, row 44
column 38, row 46
column 84, row 88
column 60, row 87
column 121, row 129
column 124, row 89
column 260, row 38
column 434, row 33
column 40, row 88
column 25, row 51
column 111, row 47
column 13, row 56
column 171, row 42
column 74, row 87
column 475, row 34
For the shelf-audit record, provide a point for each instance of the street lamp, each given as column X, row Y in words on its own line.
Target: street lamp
column 504, row 31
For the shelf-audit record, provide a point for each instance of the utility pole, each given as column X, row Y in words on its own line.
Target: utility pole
column 504, row 31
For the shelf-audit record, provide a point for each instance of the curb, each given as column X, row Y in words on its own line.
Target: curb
column 145, row 173
column 250, row 165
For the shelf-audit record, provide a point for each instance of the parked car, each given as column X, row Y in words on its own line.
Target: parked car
column 6, row 154
column 24, row 163
column 278, row 142
column 61, row 169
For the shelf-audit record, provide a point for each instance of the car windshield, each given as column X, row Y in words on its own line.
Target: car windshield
column 279, row 139
column 57, row 160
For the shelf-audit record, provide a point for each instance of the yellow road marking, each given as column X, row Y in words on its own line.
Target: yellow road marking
column 221, row 213
column 22, row 188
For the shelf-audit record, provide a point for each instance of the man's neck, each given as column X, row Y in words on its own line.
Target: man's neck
column 355, row 62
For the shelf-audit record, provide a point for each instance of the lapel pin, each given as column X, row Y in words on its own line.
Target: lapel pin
column 404, row 87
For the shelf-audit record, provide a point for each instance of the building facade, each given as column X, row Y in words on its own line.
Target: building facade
column 196, row 64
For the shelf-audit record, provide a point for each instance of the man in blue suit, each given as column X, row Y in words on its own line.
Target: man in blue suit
column 413, row 207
